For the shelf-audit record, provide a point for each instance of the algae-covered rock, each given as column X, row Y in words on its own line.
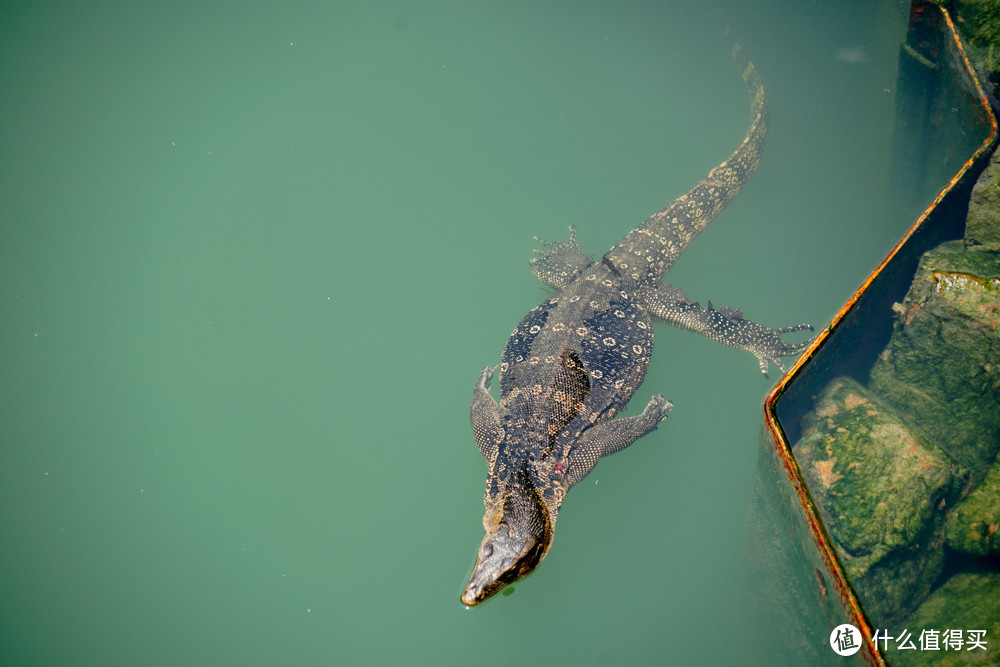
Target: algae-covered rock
column 880, row 487
column 974, row 526
column 982, row 225
column 966, row 603
column 942, row 366
column 868, row 469
column 979, row 23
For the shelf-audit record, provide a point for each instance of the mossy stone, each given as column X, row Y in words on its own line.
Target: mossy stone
column 880, row 487
column 974, row 526
column 979, row 23
column 942, row 365
column 982, row 224
column 965, row 602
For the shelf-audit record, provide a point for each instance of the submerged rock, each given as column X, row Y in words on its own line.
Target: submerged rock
column 982, row 225
column 908, row 464
column 881, row 487
column 942, row 366
column 967, row 603
column 974, row 527
column 979, row 22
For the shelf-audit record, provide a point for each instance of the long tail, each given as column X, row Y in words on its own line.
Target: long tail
column 649, row 250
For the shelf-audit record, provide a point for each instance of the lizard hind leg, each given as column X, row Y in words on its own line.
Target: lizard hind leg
column 559, row 262
column 724, row 325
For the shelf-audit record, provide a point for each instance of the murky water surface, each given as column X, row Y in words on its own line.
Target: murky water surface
column 254, row 257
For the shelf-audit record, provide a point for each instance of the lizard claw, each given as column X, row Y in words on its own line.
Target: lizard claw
column 485, row 376
column 657, row 408
column 766, row 344
column 559, row 262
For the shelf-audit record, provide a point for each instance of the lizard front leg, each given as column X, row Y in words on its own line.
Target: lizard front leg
column 607, row 437
column 485, row 417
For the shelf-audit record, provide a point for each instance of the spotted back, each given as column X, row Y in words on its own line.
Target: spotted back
column 591, row 335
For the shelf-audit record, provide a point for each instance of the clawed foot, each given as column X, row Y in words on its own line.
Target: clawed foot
column 559, row 261
column 657, row 408
column 767, row 345
column 485, row 376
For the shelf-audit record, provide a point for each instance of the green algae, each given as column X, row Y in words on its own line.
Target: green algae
column 881, row 487
column 942, row 366
column 974, row 527
column 965, row 602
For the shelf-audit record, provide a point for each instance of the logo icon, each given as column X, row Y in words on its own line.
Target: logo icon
column 845, row 639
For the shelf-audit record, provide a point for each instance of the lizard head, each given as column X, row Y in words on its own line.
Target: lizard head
column 504, row 558
column 518, row 535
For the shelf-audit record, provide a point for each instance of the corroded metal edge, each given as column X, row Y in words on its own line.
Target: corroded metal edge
column 782, row 447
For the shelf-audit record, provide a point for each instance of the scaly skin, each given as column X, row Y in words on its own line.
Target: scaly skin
column 575, row 360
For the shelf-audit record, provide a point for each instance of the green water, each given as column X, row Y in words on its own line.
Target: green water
column 253, row 256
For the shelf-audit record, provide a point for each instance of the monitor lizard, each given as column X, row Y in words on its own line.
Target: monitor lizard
column 575, row 360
